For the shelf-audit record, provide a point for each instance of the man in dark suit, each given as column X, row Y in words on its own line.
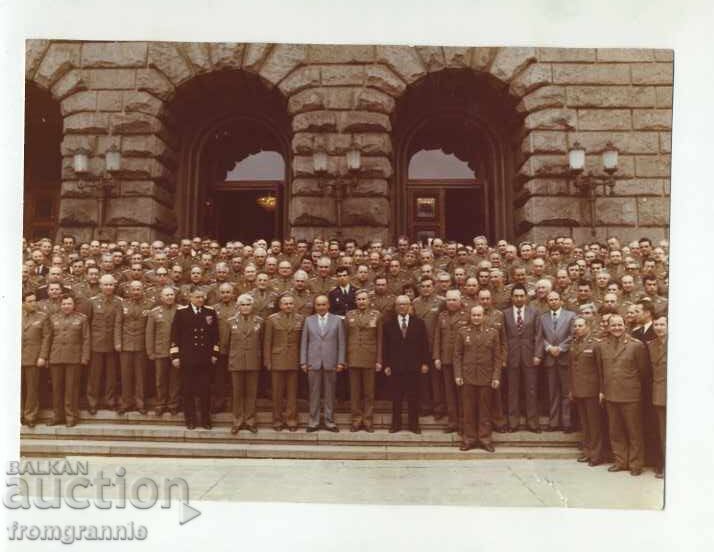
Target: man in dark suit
column 552, row 349
column 194, row 349
column 406, row 354
column 342, row 297
column 522, row 324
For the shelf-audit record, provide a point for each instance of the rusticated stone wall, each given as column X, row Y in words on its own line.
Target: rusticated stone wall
column 119, row 92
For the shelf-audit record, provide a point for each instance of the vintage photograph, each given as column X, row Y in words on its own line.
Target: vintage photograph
column 388, row 274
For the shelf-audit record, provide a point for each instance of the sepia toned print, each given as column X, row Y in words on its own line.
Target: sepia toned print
column 485, row 228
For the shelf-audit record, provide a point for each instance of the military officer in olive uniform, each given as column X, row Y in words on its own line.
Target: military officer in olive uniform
column 477, row 369
column 158, row 342
column 452, row 318
column 364, row 358
column 658, row 357
column 584, row 390
column 621, row 360
column 35, row 341
column 265, row 300
column 194, row 349
column 243, row 342
column 68, row 350
column 495, row 318
column 281, row 355
column 431, row 385
column 132, row 319
column 225, row 308
column 105, row 330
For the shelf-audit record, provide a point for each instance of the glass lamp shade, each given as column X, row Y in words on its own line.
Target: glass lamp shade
column 319, row 161
column 576, row 157
column 112, row 159
column 609, row 157
column 354, row 159
column 81, row 162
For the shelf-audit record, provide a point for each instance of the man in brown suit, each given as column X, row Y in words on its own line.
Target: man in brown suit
column 658, row 358
column 35, row 340
column 621, row 360
column 242, row 343
column 67, row 350
column 455, row 316
column 132, row 352
column 158, row 342
column 477, row 369
column 364, row 358
column 105, row 330
column 281, row 355
column 584, row 390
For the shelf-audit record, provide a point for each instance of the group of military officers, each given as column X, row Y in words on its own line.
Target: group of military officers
column 492, row 327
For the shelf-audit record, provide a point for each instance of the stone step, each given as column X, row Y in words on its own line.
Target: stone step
column 264, row 419
column 239, row 449
column 163, row 433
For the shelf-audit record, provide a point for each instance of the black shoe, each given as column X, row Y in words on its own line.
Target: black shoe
column 252, row 429
column 311, row 429
column 583, row 458
column 234, row 429
column 416, row 430
column 278, row 427
column 394, row 429
column 207, row 425
column 71, row 423
column 512, row 429
column 593, row 463
column 158, row 412
column 535, row 429
column 354, row 429
column 501, row 429
column 466, row 446
column 292, row 428
column 141, row 411
column 369, row 429
column 332, row 428
column 438, row 417
column 488, row 447
column 616, row 468
column 636, row 471
column 190, row 425
column 121, row 411
column 173, row 411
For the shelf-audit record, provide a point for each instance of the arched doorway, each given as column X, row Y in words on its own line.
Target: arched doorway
column 456, row 134
column 42, row 164
column 234, row 151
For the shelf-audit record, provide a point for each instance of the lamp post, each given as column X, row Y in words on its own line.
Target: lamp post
column 104, row 182
column 587, row 184
column 338, row 188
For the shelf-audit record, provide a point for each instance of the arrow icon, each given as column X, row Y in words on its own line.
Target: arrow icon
column 188, row 513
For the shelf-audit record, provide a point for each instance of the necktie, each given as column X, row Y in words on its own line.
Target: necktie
column 404, row 326
column 519, row 320
column 322, row 324
column 555, row 319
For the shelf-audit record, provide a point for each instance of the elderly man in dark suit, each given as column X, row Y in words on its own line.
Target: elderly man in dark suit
column 322, row 355
column 406, row 355
column 552, row 349
column 522, row 325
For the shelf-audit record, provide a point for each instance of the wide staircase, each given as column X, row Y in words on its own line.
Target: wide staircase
column 132, row 434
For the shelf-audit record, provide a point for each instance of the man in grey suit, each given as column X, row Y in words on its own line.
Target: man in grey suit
column 552, row 349
column 522, row 325
column 322, row 354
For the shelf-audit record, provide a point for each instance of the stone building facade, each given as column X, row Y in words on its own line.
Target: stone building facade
column 159, row 102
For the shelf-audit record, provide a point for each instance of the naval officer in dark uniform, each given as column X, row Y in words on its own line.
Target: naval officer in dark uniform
column 194, row 348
